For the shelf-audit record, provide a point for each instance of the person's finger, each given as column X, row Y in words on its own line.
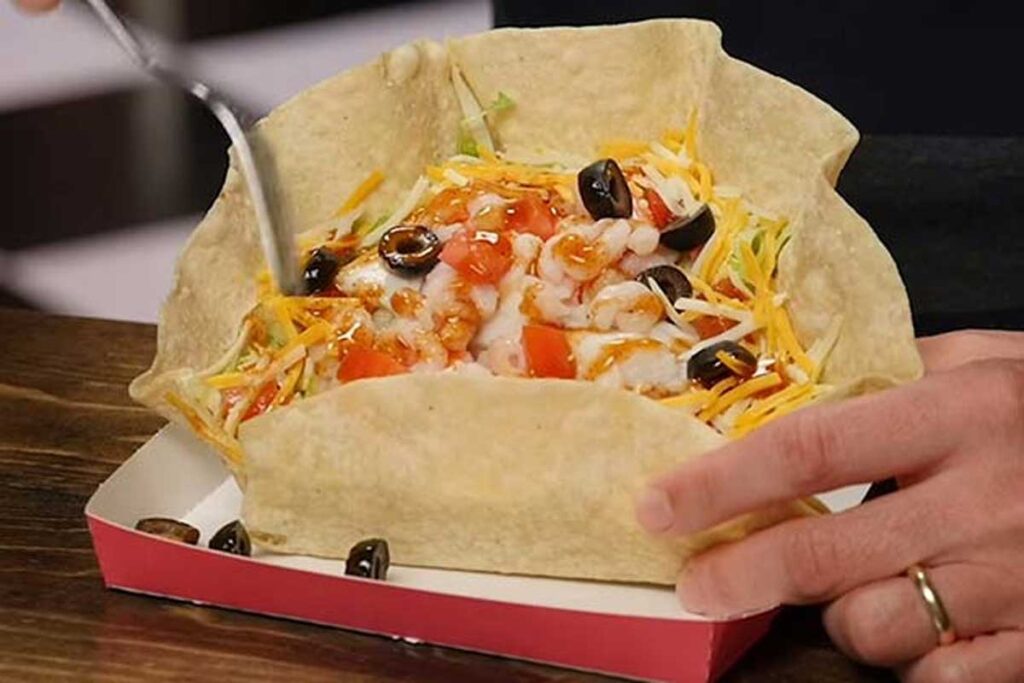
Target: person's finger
column 953, row 349
column 996, row 658
column 817, row 449
column 37, row 6
column 811, row 560
column 886, row 623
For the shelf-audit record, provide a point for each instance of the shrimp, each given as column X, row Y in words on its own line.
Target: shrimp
column 553, row 303
column 457, row 307
column 508, row 320
column 431, row 355
column 627, row 306
column 679, row 339
column 611, row 276
column 632, row 264
column 481, row 202
column 581, row 253
column 504, row 357
column 369, row 280
column 628, row 361
column 644, row 239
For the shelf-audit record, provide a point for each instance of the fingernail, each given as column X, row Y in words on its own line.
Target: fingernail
column 695, row 600
column 654, row 510
column 690, row 596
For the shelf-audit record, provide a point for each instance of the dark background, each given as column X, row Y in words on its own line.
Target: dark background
column 897, row 67
column 934, row 86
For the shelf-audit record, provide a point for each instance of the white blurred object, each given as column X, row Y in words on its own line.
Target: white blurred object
column 123, row 275
column 66, row 54
column 126, row 275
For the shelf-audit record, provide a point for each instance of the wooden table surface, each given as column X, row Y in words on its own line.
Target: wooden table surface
column 66, row 422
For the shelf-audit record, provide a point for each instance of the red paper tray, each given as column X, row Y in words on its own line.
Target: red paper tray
column 632, row 631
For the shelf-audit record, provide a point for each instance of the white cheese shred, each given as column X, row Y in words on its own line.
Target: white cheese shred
column 473, row 114
column 411, row 201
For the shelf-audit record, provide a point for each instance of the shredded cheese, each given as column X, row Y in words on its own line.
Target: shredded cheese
column 309, row 337
column 623, row 149
column 671, row 312
column 359, row 195
column 291, row 380
column 687, row 304
column 789, row 342
column 756, row 413
column 411, row 201
column 228, row 380
column 732, row 334
column 737, row 366
column 744, row 390
column 284, row 317
column 691, row 399
column 224, row 443
column 473, row 114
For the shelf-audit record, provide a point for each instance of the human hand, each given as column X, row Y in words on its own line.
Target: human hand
column 37, row 6
column 955, row 441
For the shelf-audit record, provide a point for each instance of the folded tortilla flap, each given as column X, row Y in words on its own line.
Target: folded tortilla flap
column 836, row 270
column 500, row 475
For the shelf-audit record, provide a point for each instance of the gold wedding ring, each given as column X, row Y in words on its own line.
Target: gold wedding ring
column 937, row 611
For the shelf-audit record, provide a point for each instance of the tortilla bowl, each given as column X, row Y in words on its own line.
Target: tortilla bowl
column 512, row 475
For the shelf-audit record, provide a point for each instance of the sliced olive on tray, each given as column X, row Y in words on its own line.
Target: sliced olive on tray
column 170, row 529
column 369, row 559
column 320, row 270
column 410, row 249
column 604, row 190
column 672, row 281
column 232, row 538
column 689, row 232
column 707, row 366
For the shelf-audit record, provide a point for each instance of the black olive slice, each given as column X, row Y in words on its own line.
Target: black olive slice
column 672, row 281
column 320, row 270
column 604, row 190
column 170, row 529
column 369, row 559
column 232, row 538
column 707, row 368
column 689, row 232
column 410, row 249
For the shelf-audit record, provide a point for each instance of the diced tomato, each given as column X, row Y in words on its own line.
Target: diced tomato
column 459, row 357
column 363, row 363
column 480, row 256
column 708, row 326
column 262, row 401
column 449, row 206
column 491, row 218
column 548, row 353
column 730, row 290
column 532, row 214
column 660, row 213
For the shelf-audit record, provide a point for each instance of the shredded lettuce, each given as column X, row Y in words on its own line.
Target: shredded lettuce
column 737, row 269
column 501, row 103
column 364, row 227
column 466, row 143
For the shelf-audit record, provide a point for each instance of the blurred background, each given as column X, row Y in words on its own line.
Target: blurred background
column 103, row 174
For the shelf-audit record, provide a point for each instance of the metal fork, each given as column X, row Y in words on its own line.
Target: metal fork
column 278, row 247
